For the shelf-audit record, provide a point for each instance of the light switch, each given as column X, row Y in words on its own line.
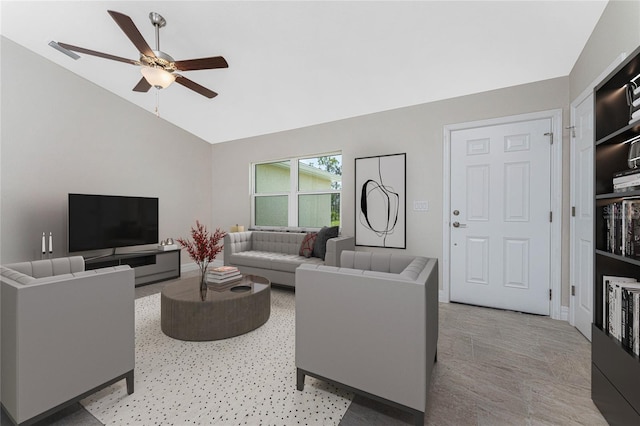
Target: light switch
column 420, row 206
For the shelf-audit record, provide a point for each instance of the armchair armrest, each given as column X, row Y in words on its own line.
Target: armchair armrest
column 235, row 242
column 335, row 246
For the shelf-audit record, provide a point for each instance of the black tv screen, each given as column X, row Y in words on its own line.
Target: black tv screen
column 108, row 221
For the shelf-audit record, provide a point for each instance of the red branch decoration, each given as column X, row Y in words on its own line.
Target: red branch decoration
column 204, row 248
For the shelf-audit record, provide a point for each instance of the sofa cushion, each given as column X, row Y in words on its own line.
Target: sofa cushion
column 252, row 258
column 288, row 263
column 306, row 248
column 16, row 276
column 277, row 242
column 274, row 261
column 320, row 245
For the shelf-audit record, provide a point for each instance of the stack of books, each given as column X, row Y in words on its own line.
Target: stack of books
column 223, row 274
column 621, row 310
column 622, row 227
column 627, row 180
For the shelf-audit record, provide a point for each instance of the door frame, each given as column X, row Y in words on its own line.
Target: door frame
column 572, row 189
column 555, row 261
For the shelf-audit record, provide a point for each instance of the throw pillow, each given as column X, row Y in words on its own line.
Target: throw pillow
column 320, row 246
column 306, row 248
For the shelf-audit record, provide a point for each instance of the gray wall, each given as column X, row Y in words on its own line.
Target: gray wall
column 63, row 134
column 416, row 130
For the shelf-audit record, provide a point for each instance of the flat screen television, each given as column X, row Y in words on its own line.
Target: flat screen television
column 109, row 221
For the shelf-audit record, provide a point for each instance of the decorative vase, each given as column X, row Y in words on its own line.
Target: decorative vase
column 203, row 286
column 633, row 159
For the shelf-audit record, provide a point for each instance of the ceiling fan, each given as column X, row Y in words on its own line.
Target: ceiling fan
column 158, row 68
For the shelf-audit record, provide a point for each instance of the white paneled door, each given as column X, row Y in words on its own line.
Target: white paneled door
column 582, row 216
column 500, row 216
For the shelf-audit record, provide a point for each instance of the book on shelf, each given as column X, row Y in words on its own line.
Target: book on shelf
column 636, row 322
column 622, row 227
column 612, row 215
column 620, row 316
column 625, row 179
column 626, row 188
column 628, row 334
column 626, row 172
column 631, row 228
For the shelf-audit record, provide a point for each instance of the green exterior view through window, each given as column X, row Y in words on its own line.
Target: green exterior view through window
column 301, row 192
column 271, row 188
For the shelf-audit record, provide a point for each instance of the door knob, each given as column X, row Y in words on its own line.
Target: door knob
column 456, row 224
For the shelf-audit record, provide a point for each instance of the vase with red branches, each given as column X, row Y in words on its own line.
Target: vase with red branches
column 203, row 248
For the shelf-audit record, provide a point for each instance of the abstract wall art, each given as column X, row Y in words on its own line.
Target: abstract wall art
column 381, row 201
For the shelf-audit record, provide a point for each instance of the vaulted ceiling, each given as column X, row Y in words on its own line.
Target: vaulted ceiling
column 298, row 63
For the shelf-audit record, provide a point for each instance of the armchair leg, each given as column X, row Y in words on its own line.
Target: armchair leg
column 300, row 379
column 419, row 418
column 435, row 359
column 129, row 378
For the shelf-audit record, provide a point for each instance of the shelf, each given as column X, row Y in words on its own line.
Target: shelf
column 618, row 257
column 621, row 135
column 614, row 195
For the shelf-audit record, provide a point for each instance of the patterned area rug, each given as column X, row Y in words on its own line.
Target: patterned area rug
column 245, row 380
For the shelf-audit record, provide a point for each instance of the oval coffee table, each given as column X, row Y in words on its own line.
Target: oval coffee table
column 236, row 309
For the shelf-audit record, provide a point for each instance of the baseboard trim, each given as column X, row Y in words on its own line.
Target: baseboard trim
column 187, row 267
column 564, row 313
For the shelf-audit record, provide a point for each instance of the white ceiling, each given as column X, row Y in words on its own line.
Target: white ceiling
column 298, row 63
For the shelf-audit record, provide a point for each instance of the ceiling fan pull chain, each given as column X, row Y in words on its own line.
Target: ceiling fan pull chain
column 157, row 103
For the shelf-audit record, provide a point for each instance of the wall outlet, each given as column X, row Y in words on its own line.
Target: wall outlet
column 420, row 206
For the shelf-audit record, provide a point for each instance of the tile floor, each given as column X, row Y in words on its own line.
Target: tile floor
column 494, row 368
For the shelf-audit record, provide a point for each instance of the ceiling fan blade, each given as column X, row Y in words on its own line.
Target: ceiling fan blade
column 195, row 86
column 126, row 24
column 98, row 54
column 142, row 86
column 202, row 64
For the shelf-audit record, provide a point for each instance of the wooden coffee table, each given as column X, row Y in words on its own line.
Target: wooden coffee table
column 236, row 309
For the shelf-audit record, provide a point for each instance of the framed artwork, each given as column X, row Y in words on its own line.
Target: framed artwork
column 381, row 201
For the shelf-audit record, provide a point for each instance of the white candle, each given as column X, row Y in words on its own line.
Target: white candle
column 50, row 242
column 44, row 249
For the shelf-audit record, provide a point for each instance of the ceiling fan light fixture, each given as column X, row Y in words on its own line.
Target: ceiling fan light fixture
column 157, row 77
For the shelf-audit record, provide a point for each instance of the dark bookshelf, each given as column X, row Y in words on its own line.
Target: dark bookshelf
column 615, row 369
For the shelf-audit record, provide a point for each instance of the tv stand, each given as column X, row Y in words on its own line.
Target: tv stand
column 150, row 266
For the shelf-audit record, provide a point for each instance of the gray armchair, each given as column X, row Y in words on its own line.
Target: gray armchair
column 370, row 326
column 66, row 333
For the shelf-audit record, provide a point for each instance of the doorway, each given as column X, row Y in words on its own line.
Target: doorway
column 502, row 189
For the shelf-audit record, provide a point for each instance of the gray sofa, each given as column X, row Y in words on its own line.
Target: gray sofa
column 275, row 255
column 66, row 333
column 370, row 326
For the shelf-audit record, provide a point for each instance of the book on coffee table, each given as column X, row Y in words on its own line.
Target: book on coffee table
column 222, row 271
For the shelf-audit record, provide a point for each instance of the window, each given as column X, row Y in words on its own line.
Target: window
column 306, row 194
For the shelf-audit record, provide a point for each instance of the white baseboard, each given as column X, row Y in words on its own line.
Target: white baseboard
column 564, row 313
column 442, row 296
